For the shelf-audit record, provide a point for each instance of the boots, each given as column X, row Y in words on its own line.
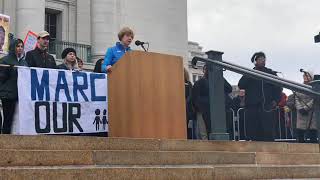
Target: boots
column 313, row 135
column 300, row 136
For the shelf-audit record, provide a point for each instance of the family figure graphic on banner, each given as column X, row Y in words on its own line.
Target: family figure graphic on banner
column 98, row 120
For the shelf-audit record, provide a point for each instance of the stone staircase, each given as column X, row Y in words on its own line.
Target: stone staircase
column 68, row 157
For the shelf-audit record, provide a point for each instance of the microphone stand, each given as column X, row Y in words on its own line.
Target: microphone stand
column 143, row 48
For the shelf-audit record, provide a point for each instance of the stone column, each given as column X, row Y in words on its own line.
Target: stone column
column 30, row 16
column 103, row 23
column 83, row 19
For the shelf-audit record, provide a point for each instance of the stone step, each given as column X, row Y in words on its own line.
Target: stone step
column 221, row 172
column 95, row 143
column 58, row 158
column 51, row 142
column 236, row 146
column 113, row 157
column 287, row 158
column 172, row 158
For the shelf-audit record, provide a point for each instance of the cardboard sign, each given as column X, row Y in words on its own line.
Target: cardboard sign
column 30, row 42
column 4, row 32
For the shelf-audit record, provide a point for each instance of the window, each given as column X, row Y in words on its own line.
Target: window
column 52, row 27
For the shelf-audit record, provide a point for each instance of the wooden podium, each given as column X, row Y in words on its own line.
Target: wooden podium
column 146, row 97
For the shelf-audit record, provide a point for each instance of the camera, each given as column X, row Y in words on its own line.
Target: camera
column 317, row 38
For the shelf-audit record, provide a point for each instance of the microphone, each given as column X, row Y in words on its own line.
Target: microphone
column 303, row 71
column 140, row 43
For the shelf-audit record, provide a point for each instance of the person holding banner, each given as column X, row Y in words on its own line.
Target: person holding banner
column 116, row 52
column 39, row 57
column 70, row 59
column 8, row 82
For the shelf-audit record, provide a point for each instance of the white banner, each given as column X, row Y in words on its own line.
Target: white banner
column 61, row 102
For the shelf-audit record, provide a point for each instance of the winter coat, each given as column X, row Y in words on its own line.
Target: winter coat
column 258, row 92
column 188, row 96
column 113, row 55
column 305, row 121
column 65, row 67
column 9, row 75
column 62, row 66
column 200, row 94
column 41, row 59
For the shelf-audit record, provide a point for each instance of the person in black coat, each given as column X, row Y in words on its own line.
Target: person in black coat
column 39, row 57
column 201, row 100
column 97, row 67
column 8, row 82
column 189, row 107
column 261, row 102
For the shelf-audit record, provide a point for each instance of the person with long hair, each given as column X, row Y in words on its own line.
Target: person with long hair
column 8, row 82
column 69, row 56
column 97, row 67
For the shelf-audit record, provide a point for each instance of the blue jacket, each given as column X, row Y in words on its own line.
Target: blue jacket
column 113, row 55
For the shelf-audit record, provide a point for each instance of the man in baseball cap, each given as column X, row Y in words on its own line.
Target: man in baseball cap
column 39, row 57
column 43, row 34
column 43, row 39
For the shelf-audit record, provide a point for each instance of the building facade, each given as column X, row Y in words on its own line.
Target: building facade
column 195, row 72
column 92, row 25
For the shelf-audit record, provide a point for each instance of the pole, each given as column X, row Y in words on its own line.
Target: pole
column 217, row 99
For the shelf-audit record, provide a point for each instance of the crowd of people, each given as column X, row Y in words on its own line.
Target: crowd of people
column 267, row 113
column 263, row 102
column 39, row 57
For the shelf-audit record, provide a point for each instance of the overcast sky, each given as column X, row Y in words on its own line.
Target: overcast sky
column 283, row 29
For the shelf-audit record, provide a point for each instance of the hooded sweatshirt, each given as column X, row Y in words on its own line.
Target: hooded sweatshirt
column 9, row 75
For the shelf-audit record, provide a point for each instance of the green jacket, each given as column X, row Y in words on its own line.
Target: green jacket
column 9, row 76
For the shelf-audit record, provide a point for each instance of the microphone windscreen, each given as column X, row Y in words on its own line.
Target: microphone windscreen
column 138, row 43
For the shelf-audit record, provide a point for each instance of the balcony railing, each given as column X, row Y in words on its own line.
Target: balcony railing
column 83, row 50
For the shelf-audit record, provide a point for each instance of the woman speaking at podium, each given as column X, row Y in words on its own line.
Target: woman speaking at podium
column 116, row 52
